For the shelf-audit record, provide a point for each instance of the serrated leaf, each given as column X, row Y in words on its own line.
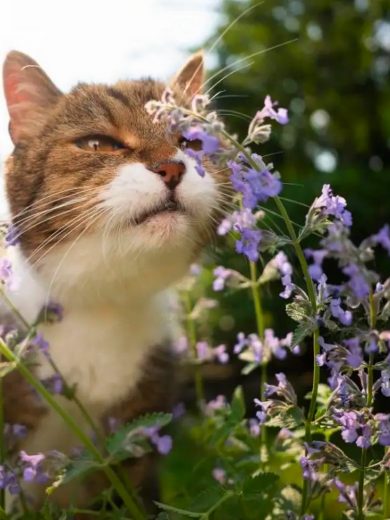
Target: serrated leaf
column 303, row 330
column 298, row 310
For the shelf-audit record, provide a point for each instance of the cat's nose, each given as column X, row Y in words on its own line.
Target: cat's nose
column 171, row 172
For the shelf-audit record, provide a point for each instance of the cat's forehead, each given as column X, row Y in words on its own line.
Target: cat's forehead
column 100, row 108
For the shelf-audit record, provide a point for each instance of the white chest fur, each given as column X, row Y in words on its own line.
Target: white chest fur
column 101, row 350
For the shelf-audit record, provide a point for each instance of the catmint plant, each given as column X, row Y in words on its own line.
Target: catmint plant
column 272, row 454
column 346, row 320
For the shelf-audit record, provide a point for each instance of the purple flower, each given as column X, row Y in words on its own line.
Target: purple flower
column 54, row 384
column 178, row 410
column 7, row 276
column 32, row 467
column 283, row 389
column 383, row 238
column 347, row 494
column 163, row 443
column 222, row 275
column 197, row 156
column 16, row 430
column 384, row 428
column 53, row 312
column 219, row 403
column 237, row 221
column 309, row 468
column 220, row 354
column 256, row 185
column 357, row 282
column 333, row 205
column 344, row 317
column 210, row 143
column 254, row 427
column 181, row 345
column 354, row 357
column 12, row 236
column 385, row 382
column 285, row 269
column 39, row 341
column 219, row 475
column 349, row 423
column 364, row 439
column 9, row 481
column 278, row 114
column 248, row 244
column 242, row 342
column 315, row 269
column 203, row 350
column 262, row 413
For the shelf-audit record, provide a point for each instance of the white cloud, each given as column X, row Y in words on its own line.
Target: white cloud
column 92, row 40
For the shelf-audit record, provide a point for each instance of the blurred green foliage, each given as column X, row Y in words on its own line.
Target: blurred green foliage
column 333, row 77
column 328, row 61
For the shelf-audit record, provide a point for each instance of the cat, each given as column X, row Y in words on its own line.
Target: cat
column 110, row 213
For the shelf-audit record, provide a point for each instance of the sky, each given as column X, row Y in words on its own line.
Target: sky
column 102, row 41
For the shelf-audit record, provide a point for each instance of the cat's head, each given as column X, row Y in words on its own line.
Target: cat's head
column 95, row 187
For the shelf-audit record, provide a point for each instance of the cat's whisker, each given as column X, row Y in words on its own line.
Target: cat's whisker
column 43, row 201
column 229, row 112
column 228, row 74
column 40, row 222
column 241, row 60
column 93, row 218
column 220, row 37
column 57, row 234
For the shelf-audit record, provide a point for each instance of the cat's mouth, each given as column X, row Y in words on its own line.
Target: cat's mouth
column 168, row 206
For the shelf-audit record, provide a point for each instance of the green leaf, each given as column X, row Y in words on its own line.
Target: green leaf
column 77, row 468
column 250, row 367
column 303, row 330
column 6, row 367
column 238, row 405
column 183, row 512
column 299, row 310
column 260, row 484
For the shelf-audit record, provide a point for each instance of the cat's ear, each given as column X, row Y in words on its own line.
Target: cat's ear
column 190, row 77
column 29, row 93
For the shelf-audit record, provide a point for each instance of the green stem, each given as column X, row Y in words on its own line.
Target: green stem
column 255, row 289
column 133, row 508
column 256, row 296
column 386, row 493
column 191, row 333
column 362, row 474
column 369, row 402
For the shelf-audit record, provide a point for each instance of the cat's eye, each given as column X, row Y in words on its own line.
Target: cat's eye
column 195, row 144
column 99, row 143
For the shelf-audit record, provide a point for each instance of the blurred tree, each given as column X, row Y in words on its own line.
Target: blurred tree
column 334, row 77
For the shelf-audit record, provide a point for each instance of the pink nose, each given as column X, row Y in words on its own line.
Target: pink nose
column 170, row 171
